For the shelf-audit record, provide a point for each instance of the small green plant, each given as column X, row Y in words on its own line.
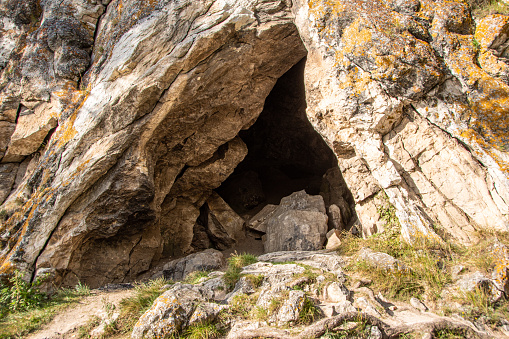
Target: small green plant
column 476, row 44
column 449, row 334
column 241, row 260
column 230, row 278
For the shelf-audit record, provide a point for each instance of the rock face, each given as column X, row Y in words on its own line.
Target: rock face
column 118, row 119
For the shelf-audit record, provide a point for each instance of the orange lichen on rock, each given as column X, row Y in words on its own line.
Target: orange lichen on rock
column 490, row 28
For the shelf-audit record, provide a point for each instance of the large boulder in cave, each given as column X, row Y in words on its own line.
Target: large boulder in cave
column 157, row 103
column 299, row 223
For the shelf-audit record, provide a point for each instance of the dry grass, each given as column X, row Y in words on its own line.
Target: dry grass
column 481, row 8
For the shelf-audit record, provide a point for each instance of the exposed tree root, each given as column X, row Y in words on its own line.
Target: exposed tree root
column 320, row 328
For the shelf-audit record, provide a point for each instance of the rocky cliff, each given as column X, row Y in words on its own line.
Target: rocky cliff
column 121, row 120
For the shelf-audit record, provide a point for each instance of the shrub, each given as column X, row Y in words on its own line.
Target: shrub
column 20, row 295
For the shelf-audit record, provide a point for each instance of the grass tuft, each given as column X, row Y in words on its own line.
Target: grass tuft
column 235, row 264
column 133, row 307
column 482, row 8
column 309, row 313
column 195, row 277
column 207, row 330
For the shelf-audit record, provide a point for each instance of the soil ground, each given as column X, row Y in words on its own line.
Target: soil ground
column 66, row 324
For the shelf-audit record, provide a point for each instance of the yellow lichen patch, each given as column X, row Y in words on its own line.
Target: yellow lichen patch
column 354, row 37
column 74, row 101
column 490, row 28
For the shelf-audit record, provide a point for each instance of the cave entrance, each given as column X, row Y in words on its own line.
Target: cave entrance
column 285, row 155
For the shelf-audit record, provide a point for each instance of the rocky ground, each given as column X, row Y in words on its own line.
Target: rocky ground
column 300, row 294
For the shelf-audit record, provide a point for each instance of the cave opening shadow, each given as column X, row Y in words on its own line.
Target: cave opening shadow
column 285, row 155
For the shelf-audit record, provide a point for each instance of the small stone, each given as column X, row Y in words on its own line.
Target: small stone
column 381, row 260
column 337, row 293
column 344, row 307
column 362, row 282
column 456, row 270
column 320, row 279
column 333, row 240
column 418, row 304
column 375, row 333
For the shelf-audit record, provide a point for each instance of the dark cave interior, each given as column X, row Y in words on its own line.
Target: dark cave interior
column 285, row 153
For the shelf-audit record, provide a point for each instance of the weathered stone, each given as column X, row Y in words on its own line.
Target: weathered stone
column 395, row 88
column 6, row 130
column 338, row 199
column 243, row 286
column 291, row 308
column 366, row 306
column 7, row 177
column 224, row 226
column 344, row 307
column 324, row 260
column 333, row 239
column 168, row 315
column 477, row 282
column 207, row 260
column 31, row 130
column 205, row 312
column 299, row 223
column 381, row 260
column 375, row 333
column 418, row 304
column 337, row 293
column 259, row 221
